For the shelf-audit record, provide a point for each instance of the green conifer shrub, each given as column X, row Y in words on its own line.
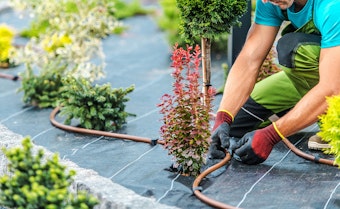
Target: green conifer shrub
column 35, row 182
column 42, row 90
column 330, row 127
column 97, row 107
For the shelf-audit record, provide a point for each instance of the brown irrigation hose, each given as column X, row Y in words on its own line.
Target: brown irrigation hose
column 196, row 188
column 147, row 140
column 217, row 204
column 99, row 133
column 10, row 77
column 308, row 156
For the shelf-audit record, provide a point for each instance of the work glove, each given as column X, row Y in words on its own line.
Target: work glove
column 220, row 135
column 254, row 147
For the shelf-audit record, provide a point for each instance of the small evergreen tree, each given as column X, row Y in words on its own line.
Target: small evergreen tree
column 209, row 19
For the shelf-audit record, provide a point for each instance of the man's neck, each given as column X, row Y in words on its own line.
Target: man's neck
column 299, row 4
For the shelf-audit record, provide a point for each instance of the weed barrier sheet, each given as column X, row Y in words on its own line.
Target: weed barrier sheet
column 141, row 56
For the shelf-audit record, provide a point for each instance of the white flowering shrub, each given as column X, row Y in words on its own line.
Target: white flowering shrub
column 74, row 33
column 66, row 41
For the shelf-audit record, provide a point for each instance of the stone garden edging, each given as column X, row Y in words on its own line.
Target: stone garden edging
column 110, row 195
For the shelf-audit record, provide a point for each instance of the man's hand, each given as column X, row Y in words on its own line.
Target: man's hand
column 220, row 137
column 220, row 141
column 255, row 147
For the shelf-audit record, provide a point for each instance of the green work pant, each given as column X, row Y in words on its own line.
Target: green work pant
column 298, row 55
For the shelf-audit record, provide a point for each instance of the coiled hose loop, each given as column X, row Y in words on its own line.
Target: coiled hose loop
column 197, row 181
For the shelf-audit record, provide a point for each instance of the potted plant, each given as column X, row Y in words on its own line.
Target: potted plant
column 186, row 127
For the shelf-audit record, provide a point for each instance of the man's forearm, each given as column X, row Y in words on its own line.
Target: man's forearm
column 240, row 83
column 244, row 72
column 305, row 113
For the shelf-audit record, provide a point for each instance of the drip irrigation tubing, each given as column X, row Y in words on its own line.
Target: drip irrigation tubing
column 195, row 187
column 306, row 156
column 10, row 77
column 100, row 133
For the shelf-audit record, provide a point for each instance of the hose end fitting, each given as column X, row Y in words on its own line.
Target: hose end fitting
column 154, row 142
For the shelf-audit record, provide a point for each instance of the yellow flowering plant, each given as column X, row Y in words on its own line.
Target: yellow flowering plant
column 6, row 38
column 330, row 127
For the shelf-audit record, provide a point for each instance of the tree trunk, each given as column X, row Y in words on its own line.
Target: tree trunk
column 206, row 66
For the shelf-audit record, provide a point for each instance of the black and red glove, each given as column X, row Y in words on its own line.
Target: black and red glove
column 255, row 147
column 220, row 135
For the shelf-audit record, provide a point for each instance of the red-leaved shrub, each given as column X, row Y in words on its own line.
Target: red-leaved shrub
column 186, row 127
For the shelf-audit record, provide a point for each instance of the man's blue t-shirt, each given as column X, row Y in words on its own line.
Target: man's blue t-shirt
column 325, row 14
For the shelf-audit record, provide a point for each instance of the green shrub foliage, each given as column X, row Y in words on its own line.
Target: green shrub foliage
column 42, row 90
column 36, row 183
column 209, row 18
column 330, row 127
column 97, row 107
